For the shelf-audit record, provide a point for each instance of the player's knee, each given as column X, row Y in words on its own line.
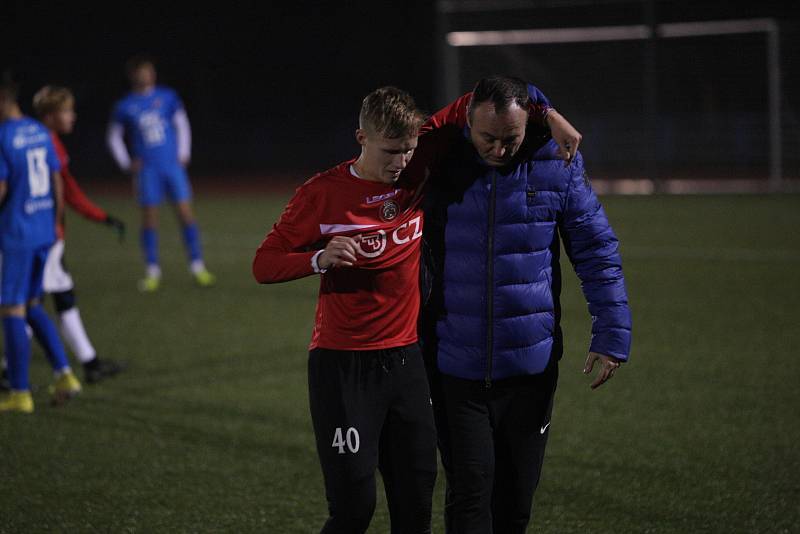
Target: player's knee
column 474, row 480
column 17, row 310
column 185, row 213
column 64, row 300
column 350, row 516
column 351, row 508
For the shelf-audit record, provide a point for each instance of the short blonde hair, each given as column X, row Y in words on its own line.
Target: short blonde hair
column 51, row 98
column 391, row 112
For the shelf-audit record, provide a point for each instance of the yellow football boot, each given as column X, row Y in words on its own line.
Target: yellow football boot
column 17, row 401
column 204, row 278
column 65, row 387
column 149, row 284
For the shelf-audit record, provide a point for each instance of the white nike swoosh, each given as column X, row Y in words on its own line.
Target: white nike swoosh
column 542, row 430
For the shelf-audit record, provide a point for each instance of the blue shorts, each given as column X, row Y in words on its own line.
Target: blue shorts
column 153, row 183
column 21, row 272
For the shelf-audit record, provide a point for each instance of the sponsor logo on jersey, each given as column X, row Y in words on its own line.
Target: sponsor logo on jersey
column 388, row 210
column 28, row 138
column 407, row 231
column 385, row 196
column 32, row 206
column 372, row 245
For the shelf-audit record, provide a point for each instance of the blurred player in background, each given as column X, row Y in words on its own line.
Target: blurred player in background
column 55, row 107
column 30, row 198
column 159, row 135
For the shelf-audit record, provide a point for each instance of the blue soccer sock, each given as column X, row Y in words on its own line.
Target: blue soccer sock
column 191, row 238
column 18, row 352
column 47, row 335
column 149, row 242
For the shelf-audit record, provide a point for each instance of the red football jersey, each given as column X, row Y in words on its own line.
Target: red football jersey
column 374, row 304
column 73, row 195
column 455, row 113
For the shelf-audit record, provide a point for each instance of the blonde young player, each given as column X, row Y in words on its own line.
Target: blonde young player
column 55, row 107
column 369, row 395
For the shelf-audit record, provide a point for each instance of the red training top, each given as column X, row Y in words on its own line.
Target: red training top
column 374, row 304
column 73, row 195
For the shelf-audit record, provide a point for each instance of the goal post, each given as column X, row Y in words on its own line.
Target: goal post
column 546, row 41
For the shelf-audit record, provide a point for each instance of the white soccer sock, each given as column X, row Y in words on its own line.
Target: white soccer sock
column 153, row 271
column 75, row 335
column 197, row 266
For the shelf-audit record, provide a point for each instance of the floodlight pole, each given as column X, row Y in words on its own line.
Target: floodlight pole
column 646, row 31
column 651, row 95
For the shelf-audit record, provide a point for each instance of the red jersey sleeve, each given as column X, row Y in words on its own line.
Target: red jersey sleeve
column 284, row 254
column 455, row 113
column 77, row 199
column 73, row 195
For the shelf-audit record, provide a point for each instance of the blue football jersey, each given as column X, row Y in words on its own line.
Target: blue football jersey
column 147, row 119
column 27, row 160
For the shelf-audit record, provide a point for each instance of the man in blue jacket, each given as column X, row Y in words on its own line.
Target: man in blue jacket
column 497, row 211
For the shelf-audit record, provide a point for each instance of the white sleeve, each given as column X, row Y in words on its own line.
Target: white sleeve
column 116, row 144
column 184, row 131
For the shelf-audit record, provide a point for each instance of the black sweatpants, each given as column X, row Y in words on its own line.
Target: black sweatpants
column 372, row 410
column 496, row 439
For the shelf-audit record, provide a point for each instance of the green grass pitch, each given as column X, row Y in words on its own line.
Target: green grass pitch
column 208, row 430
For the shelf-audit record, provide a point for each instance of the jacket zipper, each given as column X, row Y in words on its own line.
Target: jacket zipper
column 490, row 282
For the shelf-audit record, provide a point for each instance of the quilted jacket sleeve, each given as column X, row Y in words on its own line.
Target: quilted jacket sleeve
column 593, row 250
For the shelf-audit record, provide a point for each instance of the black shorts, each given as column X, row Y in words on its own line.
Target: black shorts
column 372, row 410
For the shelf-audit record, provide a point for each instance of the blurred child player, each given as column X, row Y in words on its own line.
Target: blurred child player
column 159, row 136
column 55, row 107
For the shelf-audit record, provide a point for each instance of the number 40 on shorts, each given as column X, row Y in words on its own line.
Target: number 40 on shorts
column 348, row 438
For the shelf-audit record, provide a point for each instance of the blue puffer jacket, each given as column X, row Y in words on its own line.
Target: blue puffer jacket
column 493, row 238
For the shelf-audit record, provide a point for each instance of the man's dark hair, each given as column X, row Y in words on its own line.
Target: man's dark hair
column 502, row 91
column 137, row 61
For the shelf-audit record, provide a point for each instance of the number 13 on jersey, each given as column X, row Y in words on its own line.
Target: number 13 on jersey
column 38, row 172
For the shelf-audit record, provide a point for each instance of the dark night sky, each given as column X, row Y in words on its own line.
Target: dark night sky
column 276, row 87
column 275, row 84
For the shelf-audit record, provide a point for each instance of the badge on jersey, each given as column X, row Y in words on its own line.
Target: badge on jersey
column 388, row 210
